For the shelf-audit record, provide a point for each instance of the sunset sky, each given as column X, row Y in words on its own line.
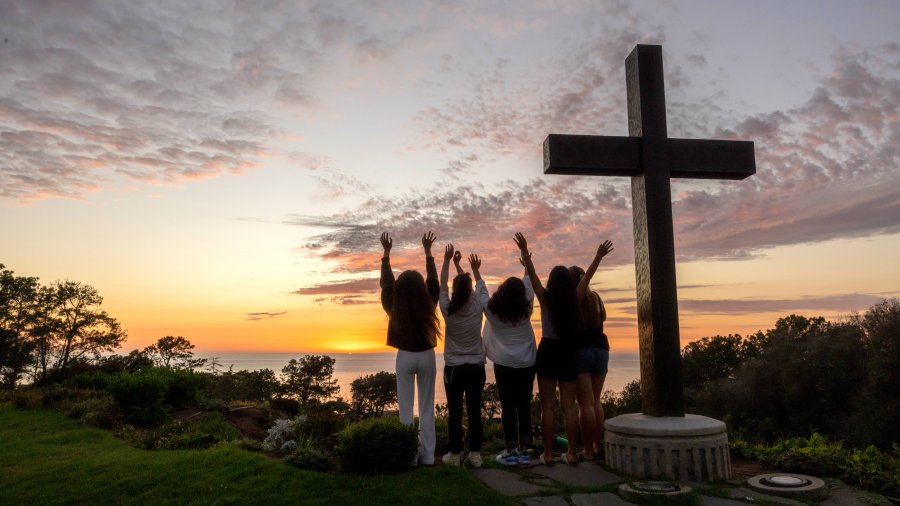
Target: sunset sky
column 222, row 170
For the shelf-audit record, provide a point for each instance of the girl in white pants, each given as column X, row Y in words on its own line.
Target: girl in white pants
column 413, row 327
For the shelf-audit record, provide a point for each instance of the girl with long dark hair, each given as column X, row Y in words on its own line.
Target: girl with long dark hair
column 592, row 364
column 509, row 343
column 561, row 325
column 463, row 359
column 413, row 329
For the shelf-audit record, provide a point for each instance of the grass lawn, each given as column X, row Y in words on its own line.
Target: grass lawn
column 46, row 458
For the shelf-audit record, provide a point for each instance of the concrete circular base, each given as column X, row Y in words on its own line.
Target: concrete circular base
column 789, row 485
column 644, row 489
column 689, row 448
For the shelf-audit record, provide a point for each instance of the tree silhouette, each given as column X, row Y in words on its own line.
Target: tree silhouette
column 18, row 313
column 309, row 379
column 171, row 351
column 72, row 326
column 372, row 393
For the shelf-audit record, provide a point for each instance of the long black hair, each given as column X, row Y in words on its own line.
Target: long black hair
column 592, row 310
column 562, row 302
column 509, row 302
column 462, row 291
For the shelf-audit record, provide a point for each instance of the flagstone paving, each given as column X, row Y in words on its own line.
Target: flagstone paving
column 539, row 481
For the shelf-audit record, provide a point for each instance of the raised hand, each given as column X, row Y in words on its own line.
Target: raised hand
column 475, row 262
column 427, row 240
column 457, row 257
column 386, row 243
column 521, row 243
column 604, row 249
column 448, row 252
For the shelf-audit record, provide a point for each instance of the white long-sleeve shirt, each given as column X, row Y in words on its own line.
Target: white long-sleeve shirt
column 508, row 344
column 462, row 331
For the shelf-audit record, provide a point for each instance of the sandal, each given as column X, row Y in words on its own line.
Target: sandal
column 580, row 456
column 548, row 461
column 565, row 458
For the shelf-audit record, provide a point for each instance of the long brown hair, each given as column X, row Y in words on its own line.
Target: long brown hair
column 413, row 317
column 592, row 310
column 462, row 290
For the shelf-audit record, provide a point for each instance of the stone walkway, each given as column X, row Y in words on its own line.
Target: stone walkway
column 539, row 485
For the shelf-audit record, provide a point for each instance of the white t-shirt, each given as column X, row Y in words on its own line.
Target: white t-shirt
column 462, row 331
column 508, row 344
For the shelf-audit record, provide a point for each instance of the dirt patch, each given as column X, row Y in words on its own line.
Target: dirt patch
column 253, row 422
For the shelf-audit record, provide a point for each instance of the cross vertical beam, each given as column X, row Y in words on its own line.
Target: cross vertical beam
column 654, row 239
column 650, row 158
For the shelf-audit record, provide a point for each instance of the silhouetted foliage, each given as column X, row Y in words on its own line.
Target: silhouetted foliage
column 626, row 401
column 309, row 380
column 804, row 375
column 372, row 393
column 18, row 314
column 171, row 351
column 254, row 386
column 878, row 407
column 377, row 445
column 490, row 402
column 148, row 396
column 72, row 326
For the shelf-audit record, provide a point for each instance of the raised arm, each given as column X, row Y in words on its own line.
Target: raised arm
column 456, row 259
column 475, row 263
column 529, row 266
column 481, row 292
column 387, row 275
column 445, row 269
column 602, row 251
column 431, row 279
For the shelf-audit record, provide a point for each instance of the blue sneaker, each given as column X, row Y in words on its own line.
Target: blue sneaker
column 524, row 458
column 507, row 458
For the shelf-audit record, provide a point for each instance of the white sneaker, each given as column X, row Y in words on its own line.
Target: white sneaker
column 474, row 459
column 451, row 459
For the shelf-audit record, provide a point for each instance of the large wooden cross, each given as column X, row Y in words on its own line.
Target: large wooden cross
column 650, row 158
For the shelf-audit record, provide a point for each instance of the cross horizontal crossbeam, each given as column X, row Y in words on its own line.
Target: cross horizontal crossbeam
column 593, row 155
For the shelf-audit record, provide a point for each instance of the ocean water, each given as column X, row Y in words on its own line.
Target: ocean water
column 623, row 367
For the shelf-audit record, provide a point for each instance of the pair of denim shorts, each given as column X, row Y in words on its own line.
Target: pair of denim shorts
column 592, row 360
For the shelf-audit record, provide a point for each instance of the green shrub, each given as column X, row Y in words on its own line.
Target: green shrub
column 250, row 444
column 149, row 395
column 817, row 455
column 289, row 407
column 56, row 394
column 27, row 398
column 310, row 458
column 322, row 422
column 200, row 433
column 377, row 445
column 90, row 380
column 99, row 411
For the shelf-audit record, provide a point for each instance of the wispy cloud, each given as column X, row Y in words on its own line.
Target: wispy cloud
column 265, row 315
column 826, row 169
column 103, row 96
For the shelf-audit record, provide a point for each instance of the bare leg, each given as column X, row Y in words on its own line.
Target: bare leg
column 597, row 381
column 547, row 390
column 586, row 413
column 570, row 414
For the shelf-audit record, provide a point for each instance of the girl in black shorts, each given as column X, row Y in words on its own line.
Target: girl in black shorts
column 561, row 324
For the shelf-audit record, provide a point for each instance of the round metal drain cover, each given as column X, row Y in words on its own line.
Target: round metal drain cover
column 655, row 487
column 785, row 481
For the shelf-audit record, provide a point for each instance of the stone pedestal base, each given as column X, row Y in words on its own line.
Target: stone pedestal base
column 692, row 448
